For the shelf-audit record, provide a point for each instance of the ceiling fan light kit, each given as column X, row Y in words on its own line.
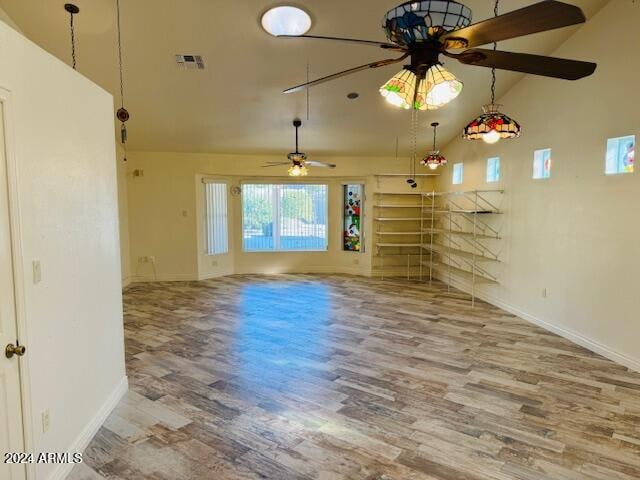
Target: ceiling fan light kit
column 436, row 88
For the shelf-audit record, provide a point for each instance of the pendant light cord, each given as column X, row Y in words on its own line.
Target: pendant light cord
column 493, row 70
column 120, row 53
column 73, row 41
column 434, row 137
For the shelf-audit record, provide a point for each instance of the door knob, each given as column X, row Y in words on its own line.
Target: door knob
column 12, row 350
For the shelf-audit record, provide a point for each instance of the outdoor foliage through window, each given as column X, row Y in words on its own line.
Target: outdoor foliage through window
column 284, row 217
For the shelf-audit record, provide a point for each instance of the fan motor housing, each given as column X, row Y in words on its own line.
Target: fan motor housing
column 412, row 23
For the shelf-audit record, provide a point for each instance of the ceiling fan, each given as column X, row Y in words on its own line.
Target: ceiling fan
column 298, row 160
column 423, row 30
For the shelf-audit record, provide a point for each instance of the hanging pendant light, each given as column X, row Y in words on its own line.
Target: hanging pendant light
column 428, row 91
column 492, row 125
column 73, row 10
column 434, row 159
column 122, row 114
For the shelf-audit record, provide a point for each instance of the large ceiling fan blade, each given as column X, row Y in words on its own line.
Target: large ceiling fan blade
column 378, row 64
column 527, row 63
column 388, row 46
column 313, row 163
column 539, row 17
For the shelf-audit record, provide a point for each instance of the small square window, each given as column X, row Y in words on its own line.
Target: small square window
column 542, row 164
column 620, row 155
column 458, row 172
column 493, row 169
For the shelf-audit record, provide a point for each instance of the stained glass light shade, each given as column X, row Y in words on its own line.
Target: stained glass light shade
column 400, row 90
column 415, row 22
column 438, row 88
column 433, row 160
column 442, row 86
column 491, row 126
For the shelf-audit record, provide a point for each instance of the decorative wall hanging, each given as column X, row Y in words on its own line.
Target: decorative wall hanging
column 492, row 125
column 422, row 31
column 352, row 235
column 73, row 10
column 434, row 159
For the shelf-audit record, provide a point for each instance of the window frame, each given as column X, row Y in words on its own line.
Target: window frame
column 343, row 187
column 453, row 173
column 618, row 139
column 276, row 214
column 495, row 170
column 535, row 152
column 216, row 181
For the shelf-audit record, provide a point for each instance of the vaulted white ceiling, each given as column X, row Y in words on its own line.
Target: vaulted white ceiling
column 235, row 105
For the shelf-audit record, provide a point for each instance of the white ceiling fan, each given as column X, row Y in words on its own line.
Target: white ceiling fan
column 298, row 160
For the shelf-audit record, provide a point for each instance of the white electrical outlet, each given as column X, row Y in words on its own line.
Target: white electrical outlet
column 46, row 421
column 37, row 271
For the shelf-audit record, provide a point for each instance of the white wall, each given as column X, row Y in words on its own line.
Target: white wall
column 576, row 233
column 62, row 143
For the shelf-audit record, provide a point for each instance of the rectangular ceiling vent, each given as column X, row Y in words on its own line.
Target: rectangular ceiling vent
column 190, row 62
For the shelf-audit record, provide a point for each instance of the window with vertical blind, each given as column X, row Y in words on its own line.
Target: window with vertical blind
column 284, row 217
column 216, row 217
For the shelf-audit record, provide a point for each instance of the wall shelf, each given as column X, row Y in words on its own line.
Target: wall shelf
column 462, row 240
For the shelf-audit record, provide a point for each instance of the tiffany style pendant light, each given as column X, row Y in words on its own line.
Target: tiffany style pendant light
column 434, row 158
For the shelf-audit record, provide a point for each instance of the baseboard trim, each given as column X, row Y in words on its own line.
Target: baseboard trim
column 303, row 270
column 208, row 276
column 82, row 441
column 175, row 277
column 571, row 335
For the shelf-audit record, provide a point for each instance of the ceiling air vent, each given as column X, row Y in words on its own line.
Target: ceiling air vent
column 190, row 62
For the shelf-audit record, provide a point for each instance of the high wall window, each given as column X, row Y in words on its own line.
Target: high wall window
column 493, row 169
column 542, row 164
column 217, row 217
column 620, row 155
column 458, row 173
column 284, row 217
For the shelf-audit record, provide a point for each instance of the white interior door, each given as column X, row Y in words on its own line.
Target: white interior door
column 11, row 432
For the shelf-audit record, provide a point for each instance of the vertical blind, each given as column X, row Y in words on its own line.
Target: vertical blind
column 284, row 217
column 216, row 217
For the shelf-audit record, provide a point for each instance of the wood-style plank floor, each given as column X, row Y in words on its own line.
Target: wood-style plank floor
column 340, row 377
